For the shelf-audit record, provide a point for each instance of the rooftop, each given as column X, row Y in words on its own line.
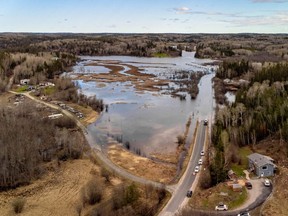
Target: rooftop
column 260, row 160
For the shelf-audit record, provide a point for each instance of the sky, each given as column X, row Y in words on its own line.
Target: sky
column 144, row 16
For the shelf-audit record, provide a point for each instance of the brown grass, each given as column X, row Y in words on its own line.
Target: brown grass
column 278, row 202
column 141, row 81
column 90, row 114
column 141, row 166
column 56, row 193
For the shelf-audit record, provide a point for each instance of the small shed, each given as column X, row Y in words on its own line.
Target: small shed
column 261, row 165
column 24, row 81
column 237, row 187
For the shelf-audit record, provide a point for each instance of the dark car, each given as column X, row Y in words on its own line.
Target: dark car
column 248, row 185
column 206, row 122
column 189, row 193
column 244, row 214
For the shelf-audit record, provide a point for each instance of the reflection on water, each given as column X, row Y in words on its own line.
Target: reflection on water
column 148, row 122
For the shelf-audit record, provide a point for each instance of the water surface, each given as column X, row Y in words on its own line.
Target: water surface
column 149, row 121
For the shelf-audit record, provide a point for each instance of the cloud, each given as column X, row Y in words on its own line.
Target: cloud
column 269, row 1
column 182, row 10
column 186, row 10
column 278, row 19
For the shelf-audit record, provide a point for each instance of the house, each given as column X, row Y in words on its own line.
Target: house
column 261, row 165
column 24, row 81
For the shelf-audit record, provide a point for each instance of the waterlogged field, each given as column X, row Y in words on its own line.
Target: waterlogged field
column 141, row 113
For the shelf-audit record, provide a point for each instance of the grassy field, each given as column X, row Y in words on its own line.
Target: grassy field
column 21, row 89
column 239, row 167
column 208, row 199
column 49, row 90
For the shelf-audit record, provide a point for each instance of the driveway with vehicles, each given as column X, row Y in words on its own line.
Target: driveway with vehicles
column 257, row 195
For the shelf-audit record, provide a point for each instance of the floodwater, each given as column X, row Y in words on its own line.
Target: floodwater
column 147, row 122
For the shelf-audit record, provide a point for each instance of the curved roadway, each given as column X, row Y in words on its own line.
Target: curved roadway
column 100, row 155
column 187, row 182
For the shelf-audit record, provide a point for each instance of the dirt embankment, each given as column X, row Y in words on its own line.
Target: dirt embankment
column 141, row 166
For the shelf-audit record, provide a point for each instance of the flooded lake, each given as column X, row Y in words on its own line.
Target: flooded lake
column 145, row 121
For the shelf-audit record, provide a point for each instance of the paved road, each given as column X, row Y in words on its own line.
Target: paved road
column 178, row 198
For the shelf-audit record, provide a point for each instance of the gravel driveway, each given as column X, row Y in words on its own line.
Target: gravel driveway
column 257, row 195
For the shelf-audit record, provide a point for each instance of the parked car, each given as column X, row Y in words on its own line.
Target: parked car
column 202, row 153
column 196, row 169
column 200, row 162
column 248, row 185
column 206, row 122
column 221, row 207
column 267, row 182
column 189, row 193
column 244, row 214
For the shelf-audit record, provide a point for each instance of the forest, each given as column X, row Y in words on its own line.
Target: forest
column 260, row 111
column 27, row 140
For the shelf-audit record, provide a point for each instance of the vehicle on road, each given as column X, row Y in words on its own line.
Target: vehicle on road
column 221, row 207
column 248, row 185
column 189, row 193
column 196, row 169
column 244, row 214
column 267, row 182
column 206, row 122
column 200, row 162
column 202, row 153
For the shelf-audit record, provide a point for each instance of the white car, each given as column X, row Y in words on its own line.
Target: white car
column 196, row 169
column 267, row 182
column 202, row 153
column 200, row 162
column 221, row 207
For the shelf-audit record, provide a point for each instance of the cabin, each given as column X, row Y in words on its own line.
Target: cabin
column 24, row 81
column 261, row 165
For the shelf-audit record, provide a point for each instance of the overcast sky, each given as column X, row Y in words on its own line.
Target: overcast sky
column 144, row 16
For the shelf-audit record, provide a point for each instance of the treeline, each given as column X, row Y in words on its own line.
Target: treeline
column 274, row 73
column 93, row 44
column 260, row 110
column 37, row 67
column 27, row 140
column 231, row 69
column 67, row 90
column 6, row 68
column 41, row 66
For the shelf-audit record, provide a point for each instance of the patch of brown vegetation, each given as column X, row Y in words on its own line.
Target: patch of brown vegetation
column 141, row 166
column 275, row 148
column 141, row 81
column 56, row 193
column 4, row 98
column 169, row 157
column 90, row 115
column 278, row 202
